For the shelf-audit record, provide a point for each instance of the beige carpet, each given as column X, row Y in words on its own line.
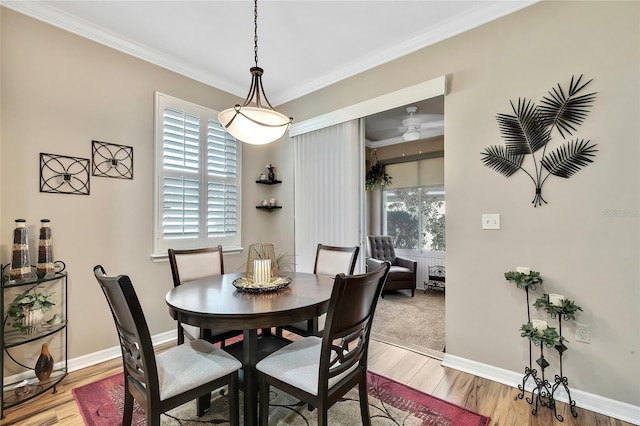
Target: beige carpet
column 415, row 323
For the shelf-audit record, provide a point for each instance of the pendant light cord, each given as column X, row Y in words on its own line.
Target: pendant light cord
column 255, row 28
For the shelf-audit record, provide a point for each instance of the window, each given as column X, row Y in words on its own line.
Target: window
column 197, row 178
column 415, row 218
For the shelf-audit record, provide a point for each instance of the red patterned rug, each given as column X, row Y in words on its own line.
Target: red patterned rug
column 391, row 403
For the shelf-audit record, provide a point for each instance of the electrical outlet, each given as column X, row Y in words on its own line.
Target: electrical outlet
column 583, row 333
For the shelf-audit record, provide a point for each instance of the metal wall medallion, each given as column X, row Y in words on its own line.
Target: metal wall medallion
column 530, row 129
column 111, row 160
column 64, row 175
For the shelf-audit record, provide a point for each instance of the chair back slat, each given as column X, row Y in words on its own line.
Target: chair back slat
column 332, row 260
column 133, row 333
column 345, row 339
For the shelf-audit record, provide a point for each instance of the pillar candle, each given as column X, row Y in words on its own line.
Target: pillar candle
column 556, row 299
column 539, row 325
column 523, row 270
column 262, row 271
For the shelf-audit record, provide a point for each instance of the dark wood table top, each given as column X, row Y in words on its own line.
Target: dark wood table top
column 214, row 302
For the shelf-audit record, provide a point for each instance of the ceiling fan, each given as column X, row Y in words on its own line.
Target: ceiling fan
column 411, row 125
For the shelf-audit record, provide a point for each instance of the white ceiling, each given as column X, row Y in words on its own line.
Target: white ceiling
column 303, row 45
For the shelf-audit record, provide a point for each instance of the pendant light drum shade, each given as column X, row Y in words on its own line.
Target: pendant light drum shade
column 254, row 125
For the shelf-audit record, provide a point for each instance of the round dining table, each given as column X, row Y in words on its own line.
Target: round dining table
column 215, row 303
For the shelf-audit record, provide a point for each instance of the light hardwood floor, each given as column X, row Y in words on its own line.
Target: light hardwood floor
column 413, row 369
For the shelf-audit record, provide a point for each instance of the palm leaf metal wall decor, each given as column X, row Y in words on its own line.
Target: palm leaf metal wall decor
column 529, row 129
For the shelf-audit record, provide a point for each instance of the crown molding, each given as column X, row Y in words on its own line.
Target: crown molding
column 43, row 12
column 479, row 15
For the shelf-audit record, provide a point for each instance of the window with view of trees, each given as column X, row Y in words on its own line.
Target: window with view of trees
column 415, row 218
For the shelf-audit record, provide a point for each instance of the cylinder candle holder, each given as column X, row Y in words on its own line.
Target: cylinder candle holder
column 20, row 260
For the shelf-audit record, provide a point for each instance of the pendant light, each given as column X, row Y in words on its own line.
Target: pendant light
column 257, row 124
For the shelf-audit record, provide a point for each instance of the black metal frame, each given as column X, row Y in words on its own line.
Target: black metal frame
column 61, row 174
column 112, row 160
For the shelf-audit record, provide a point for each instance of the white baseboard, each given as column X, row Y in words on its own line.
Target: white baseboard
column 95, row 357
column 589, row 401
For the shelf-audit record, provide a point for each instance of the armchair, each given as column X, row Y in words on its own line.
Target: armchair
column 402, row 274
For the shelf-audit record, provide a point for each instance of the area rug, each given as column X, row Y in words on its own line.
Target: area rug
column 415, row 323
column 391, row 403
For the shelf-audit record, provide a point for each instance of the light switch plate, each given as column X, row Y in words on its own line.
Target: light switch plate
column 491, row 221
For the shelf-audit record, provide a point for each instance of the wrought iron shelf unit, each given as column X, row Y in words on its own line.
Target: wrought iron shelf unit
column 12, row 339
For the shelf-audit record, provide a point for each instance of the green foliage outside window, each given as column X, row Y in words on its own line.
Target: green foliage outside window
column 403, row 220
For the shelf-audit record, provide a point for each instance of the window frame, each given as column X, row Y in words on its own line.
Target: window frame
column 230, row 243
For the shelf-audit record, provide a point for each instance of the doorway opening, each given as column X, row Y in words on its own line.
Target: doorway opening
column 410, row 209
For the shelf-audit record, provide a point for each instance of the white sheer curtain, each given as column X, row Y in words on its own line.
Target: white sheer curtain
column 328, row 190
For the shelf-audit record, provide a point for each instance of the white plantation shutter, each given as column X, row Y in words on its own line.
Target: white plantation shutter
column 197, row 178
column 222, row 205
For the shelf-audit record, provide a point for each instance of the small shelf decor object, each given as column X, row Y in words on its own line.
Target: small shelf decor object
column 20, row 259
column 27, row 309
column 272, row 172
column 112, row 160
column 45, row 265
column 44, row 364
column 539, row 333
column 60, row 174
column 529, row 131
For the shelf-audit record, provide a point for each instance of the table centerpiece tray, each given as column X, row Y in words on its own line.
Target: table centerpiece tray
column 248, row 285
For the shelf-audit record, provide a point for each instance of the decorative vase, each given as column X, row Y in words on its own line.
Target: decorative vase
column 45, row 251
column 271, row 175
column 20, row 260
column 32, row 320
column 44, row 364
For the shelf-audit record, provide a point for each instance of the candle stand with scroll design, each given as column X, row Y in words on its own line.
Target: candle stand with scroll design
column 566, row 311
column 542, row 393
column 526, row 281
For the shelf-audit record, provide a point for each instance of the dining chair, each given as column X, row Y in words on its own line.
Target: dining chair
column 321, row 370
column 189, row 265
column 173, row 377
column 330, row 261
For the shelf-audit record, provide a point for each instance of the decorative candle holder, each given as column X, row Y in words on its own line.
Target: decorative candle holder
column 45, row 264
column 20, row 259
column 557, row 306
